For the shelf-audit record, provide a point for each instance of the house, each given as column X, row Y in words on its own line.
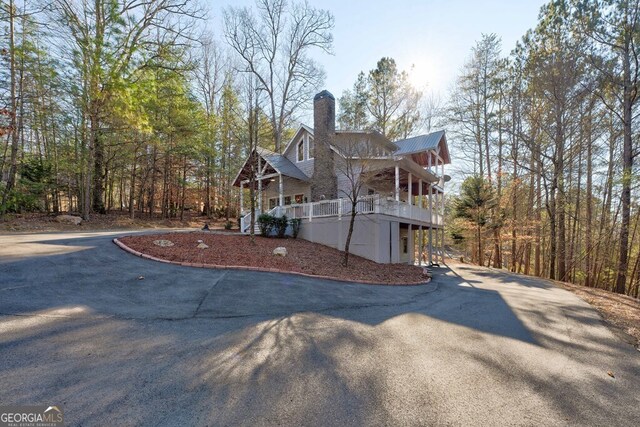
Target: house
column 398, row 186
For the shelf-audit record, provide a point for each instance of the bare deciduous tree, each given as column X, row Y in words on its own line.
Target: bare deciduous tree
column 360, row 158
column 274, row 45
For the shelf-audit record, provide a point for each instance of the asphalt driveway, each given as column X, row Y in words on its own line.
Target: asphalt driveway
column 185, row 346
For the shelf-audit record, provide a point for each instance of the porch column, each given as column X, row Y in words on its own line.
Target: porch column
column 431, row 224
column 280, row 190
column 260, row 193
column 241, row 197
column 442, row 241
column 410, row 191
column 420, row 235
column 442, row 216
column 437, row 245
column 397, row 184
column 420, row 248
column 420, row 193
column 411, row 245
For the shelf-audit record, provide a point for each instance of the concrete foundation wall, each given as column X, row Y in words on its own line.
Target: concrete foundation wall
column 375, row 237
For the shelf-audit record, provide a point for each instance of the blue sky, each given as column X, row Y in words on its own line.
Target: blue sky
column 435, row 36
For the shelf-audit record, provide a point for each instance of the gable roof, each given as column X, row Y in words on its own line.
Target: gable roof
column 281, row 164
column 423, row 143
column 278, row 163
column 296, row 137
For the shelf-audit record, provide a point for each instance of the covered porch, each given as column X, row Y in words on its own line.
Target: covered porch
column 266, row 173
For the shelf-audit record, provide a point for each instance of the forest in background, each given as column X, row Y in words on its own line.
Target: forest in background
column 129, row 106
column 549, row 138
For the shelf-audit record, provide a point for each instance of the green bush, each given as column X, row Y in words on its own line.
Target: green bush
column 228, row 225
column 295, row 227
column 270, row 225
column 280, row 225
column 266, row 224
column 22, row 199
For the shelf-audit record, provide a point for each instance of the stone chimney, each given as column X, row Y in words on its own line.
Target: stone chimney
column 323, row 183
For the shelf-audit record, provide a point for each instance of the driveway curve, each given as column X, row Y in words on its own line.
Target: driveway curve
column 110, row 336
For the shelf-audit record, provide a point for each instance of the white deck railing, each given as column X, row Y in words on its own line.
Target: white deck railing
column 365, row 205
column 342, row 207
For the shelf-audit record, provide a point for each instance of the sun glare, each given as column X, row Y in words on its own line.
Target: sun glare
column 423, row 74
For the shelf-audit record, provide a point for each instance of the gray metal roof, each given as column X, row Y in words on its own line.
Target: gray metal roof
column 419, row 143
column 281, row 164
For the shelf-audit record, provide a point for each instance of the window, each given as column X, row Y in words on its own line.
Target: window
column 273, row 202
column 300, row 149
column 310, row 155
column 299, row 198
column 287, row 200
column 371, row 192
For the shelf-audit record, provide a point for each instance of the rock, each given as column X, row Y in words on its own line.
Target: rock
column 70, row 219
column 199, row 241
column 163, row 243
column 202, row 245
column 280, row 251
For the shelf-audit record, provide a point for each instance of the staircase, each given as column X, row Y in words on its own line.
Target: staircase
column 245, row 221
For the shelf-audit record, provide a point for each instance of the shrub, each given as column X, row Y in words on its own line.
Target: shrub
column 280, row 225
column 266, row 224
column 295, row 226
column 228, row 225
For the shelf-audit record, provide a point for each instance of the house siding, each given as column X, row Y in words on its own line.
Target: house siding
column 291, row 187
column 305, row 166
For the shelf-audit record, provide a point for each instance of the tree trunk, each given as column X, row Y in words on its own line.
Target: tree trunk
column 184, row 189
column 13, row 167
column 627, row 167
column 132, row 188
column 589, row 202
column 560, row 201
column 352, row 221
column 95, row 108
column 537, row 264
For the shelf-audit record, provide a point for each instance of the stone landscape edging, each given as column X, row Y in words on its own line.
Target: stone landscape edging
column 249, row 268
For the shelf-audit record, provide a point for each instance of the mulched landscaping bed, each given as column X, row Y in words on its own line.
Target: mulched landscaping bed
column 303, row 256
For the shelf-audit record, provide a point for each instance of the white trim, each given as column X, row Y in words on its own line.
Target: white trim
column 309, row 152
column 301, row 141
column 301, row 128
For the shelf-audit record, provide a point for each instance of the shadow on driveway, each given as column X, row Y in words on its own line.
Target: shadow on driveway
column 205, row 347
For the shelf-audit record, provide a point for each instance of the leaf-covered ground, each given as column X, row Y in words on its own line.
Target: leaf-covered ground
column 621, row 311
column 303, row 256
column 111, row 221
